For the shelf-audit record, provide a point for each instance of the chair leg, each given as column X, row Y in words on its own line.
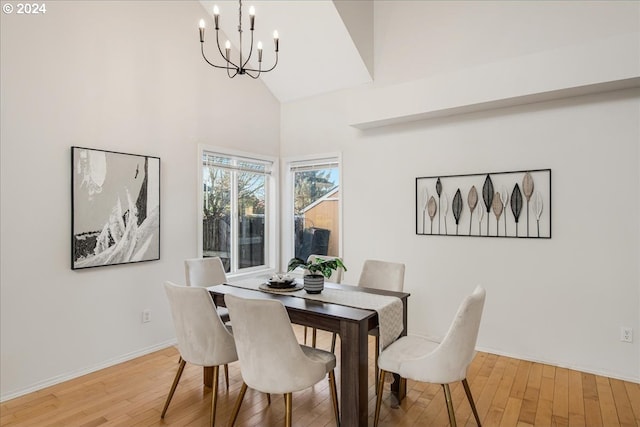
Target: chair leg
column 214, row 395
column 333, row 343
column 305, row 335
column 447, row 396
column 379, row 399
column 236, row 408
column 269, row 398
column 467, row 390
column 334, row 396
column 173, row 386
column 375, row 352
column 289, row 409
column 314, row 335
column 226, row 375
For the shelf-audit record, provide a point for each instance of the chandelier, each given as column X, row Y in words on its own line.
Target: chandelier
column 240, row 67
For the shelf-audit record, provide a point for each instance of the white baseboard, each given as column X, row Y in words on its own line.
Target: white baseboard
column 75, row 374
column 560, row 365
column 547, row 362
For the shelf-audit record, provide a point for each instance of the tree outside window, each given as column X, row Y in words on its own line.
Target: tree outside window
column 316, row 193
column 234, row 188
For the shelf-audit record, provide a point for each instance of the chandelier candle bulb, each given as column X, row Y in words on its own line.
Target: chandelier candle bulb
column 259, row 51
column 216, row 15
column 227, row 49
column 202, row 31
column 252, row 16
column 276, row 39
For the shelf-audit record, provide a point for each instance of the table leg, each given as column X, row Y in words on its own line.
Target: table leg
column 353, row 374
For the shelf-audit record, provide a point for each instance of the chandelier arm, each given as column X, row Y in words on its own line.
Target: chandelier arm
column 251, row 75
column 264, row 71
column 214, row 65
column 250, row 51
column 222, row 54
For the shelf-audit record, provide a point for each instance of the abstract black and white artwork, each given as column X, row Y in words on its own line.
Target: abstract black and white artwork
column 499, row 204
column 115, row 208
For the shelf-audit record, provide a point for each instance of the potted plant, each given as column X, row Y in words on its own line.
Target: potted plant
column 316, row 270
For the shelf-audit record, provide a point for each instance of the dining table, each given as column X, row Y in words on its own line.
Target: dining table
column 351, row 323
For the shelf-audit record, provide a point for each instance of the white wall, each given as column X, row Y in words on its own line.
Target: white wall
column 122, row 76
column 560, row 301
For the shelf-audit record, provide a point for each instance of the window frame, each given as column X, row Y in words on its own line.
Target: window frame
column 287, row 218
column 271, row 231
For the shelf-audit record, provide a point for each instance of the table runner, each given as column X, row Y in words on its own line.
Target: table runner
column 389, row 308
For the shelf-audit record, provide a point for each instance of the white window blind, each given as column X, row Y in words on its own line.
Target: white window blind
column 237, row 163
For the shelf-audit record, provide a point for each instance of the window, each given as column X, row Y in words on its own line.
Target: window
column 314, row 207
column 237, row 210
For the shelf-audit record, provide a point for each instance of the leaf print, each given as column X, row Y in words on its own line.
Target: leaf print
column 439, row 191
column 497, row 209
column 537, row 205
column 537, row 209
column 431, row 210
column 504, row 195
column 445, row 210
column 527, row 188
column 516, row 204
column 472, row 200
column 487, row 196
column 457, row 208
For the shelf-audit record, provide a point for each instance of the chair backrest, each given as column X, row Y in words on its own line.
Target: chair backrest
column 336, row 276
column 204, row 272
column 450, row 360
column 202, row 337
column 382, row 275
column 271, row 360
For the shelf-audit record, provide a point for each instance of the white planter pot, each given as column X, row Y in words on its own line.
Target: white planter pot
column 314, row 283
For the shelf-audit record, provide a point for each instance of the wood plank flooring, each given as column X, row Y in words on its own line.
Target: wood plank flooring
column 508, row 393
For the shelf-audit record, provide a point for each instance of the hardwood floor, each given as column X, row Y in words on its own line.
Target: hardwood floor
column 507, row 392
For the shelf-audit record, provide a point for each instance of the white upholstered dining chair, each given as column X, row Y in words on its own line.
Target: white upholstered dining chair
column 419, row 359
column 271, row 359
column 203, row 272
column 336, row 277
column 203, row 339
column 383, row 275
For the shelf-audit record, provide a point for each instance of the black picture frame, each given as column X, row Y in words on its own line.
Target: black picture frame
column 115, row 208
column 445, row 204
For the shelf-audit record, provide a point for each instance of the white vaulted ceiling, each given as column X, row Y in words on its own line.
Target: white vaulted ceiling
column 324, row 46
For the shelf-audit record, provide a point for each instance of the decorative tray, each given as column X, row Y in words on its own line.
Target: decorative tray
column 291, row 286
column 282, row 284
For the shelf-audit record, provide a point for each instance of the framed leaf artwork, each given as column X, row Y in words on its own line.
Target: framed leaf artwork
column 499, row 204
column 115, row 208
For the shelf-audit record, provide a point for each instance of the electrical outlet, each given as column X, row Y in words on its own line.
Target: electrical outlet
column 626, row 334
column 146, row 316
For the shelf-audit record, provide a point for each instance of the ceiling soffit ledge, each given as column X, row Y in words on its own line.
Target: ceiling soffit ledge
column 604, row 65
